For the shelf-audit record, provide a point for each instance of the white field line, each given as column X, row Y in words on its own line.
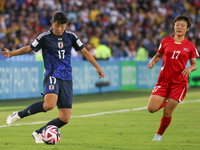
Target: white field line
column 97, row 114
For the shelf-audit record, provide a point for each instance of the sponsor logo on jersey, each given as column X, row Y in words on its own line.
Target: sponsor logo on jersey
column 185, row 49
column 60, row 44
column 51, row 87
column 59, row 39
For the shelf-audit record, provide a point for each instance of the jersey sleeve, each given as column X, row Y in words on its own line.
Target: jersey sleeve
column 76, row 42
column 161, row 49
column 37, row 43
column 194, row 53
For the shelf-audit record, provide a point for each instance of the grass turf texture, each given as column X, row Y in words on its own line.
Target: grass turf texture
column 130, row 130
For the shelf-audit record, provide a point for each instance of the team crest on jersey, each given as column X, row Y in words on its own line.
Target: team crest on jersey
column 51, row 87
column 60, row 44
column 185, row 49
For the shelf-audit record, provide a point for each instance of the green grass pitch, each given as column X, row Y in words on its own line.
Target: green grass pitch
column 108, row 121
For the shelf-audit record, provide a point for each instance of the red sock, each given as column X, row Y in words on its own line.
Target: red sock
column 165, row 121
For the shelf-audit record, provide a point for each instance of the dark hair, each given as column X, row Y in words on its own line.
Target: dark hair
column 182, row 17
column 59, row 17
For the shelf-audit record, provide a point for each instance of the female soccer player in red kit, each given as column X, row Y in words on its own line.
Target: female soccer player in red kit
column 172, row 83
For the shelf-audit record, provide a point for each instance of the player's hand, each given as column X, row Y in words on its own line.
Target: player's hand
column 100, row 73
column 151, row 65
column 186, row 71
column 6, row 53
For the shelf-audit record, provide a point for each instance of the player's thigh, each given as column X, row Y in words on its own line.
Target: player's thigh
column 155, row 101
column 64, row 114
column 158, row 96
column 65, row 94
column 50, row 100
column 170, row 107
column 51, row 91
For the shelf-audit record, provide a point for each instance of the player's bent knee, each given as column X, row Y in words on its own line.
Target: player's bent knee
column 48, row 107
column 152, row 110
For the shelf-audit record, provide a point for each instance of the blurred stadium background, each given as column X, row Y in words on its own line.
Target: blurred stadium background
column 122, row 35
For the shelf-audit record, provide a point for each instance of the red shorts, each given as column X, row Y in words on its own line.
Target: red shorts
column 175, row 91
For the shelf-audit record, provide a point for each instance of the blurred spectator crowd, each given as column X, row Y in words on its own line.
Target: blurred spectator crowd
column 118, row 28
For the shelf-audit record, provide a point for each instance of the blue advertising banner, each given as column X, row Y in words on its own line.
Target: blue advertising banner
column 24, row 79
column 85, row 76
column 20, row 79
column 146, row 78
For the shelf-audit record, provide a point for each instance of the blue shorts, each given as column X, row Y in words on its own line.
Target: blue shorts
column 63, row 88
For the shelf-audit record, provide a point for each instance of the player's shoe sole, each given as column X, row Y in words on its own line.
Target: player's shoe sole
column 37, row 137
column 12, row 118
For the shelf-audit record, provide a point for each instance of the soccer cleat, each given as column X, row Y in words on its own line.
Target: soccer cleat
column 37, row 137
column 12, row 118
column 157, row 137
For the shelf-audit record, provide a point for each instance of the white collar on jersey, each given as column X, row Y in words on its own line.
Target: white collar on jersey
column 177, row 43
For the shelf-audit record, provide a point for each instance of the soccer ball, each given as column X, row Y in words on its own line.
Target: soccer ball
column 51, row 134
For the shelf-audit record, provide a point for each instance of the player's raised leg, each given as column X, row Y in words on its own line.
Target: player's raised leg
column 32, row 109
column 12, row 118
column 155, row 102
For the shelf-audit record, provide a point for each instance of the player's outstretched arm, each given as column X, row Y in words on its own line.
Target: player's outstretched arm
column 7, row 53
column 154, row 60
column 91, row 59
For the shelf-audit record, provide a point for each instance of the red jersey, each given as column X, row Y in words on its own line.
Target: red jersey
column 175, row 59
